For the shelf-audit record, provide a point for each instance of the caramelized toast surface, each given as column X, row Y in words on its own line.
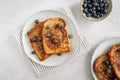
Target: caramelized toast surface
column 55, row 36
column 114, row 55
column 103, row 68
column 35, row 37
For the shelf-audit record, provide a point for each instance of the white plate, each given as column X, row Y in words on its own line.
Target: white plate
column 102, row 49
column 54, row 60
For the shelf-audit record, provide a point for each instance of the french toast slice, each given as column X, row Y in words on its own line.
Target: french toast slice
column 55, row 36
column 35, row 37
column 114, row 55
column 103, row 68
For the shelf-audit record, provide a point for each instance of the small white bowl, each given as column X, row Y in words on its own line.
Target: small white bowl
column 97, row 19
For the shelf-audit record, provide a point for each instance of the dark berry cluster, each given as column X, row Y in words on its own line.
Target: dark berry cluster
column 109, row 68
column 95, row 8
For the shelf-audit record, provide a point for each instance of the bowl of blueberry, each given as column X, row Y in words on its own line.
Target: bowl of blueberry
column 96, row 10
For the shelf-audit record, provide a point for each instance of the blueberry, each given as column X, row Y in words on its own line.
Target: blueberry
column 118, row 50
column 33, row 39
column 84, row 5
column 98, row 16
column 48, row 35
column 106, row 4
column 94, row 12
column 70, row 36
column 103, row 1
column 40, row 47
column 39, row 38
column 94, row 8
column 101, row 14
column 87, row 1
column 47, row 27
column 114, row 79
column 98, row 4
column 95, row 15
column 85, row 10
column 54, row 41
column 88, row 15
column 59, row 54
column 109, row 66
column 95, row 4
column 106, row 62
column 33, row 52
column 90, row 10
column 101, row 5
column 98, row 8
column 90, row 5
column 58, row 25
column 105, row 11
column 100, row 1
column 108, row 71
column 36, row 21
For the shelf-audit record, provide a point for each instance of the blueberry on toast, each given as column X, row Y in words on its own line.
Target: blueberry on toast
column 103, row 68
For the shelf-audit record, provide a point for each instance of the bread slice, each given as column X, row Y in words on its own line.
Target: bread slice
column 102, row 70
column 58, row 32
column 35, row 32
column 114, row 55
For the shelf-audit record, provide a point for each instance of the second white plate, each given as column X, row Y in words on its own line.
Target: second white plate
column 102, row 49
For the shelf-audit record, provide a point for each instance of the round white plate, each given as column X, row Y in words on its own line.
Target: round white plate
column 53, row 60
column 102, row 49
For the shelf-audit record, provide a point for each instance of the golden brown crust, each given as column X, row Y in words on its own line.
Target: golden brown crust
column 114, row 55
column 35, row 31
column 56, row 33
column 100, row 68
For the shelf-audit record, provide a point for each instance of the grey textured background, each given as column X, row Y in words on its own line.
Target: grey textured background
column 13, row 14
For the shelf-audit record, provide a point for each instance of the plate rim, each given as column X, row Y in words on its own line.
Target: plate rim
column 65, row 15
column 92, row 62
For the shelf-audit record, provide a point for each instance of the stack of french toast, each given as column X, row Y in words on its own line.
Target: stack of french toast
column 107, row 66
column 49, row 37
